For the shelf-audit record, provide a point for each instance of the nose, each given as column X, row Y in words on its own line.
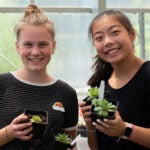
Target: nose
column 108, row 41
column 35, row 50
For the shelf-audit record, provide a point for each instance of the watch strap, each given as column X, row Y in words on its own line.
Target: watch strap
column 128, row 130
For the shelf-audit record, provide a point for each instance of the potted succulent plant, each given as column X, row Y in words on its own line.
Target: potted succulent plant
column 39, row 119
column 103, row 109
column 63, row 141
column 36, row 118
column 93, row 93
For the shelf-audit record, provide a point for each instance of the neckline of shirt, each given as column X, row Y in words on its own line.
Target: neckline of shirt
column 36, row 84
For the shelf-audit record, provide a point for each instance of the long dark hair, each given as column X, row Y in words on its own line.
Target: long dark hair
column 102, row 69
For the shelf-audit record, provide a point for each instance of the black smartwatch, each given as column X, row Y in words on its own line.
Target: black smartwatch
column 128, row 130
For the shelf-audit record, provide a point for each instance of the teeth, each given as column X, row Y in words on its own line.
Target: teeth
column 112, row 51
column 35, row 60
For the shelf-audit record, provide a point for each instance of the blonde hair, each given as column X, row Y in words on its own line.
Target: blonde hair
column 34, row 16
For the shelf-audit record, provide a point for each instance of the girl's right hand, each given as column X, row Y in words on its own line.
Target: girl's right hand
column 20, row 128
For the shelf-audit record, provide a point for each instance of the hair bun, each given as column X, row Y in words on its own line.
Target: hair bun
column 32, row 9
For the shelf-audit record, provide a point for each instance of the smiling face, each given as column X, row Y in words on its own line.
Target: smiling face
column 112, row 40
column 35, row 46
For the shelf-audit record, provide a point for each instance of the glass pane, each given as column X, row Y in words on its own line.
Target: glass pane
column 72, row 59
column 11, row 3
column 8, row 53
column 63, row 2
column 127, row 3
column 147, row 35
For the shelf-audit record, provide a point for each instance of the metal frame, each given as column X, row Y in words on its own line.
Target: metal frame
column 131, row 10
column 52, row 9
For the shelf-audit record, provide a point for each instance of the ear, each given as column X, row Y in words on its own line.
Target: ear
column 53, row 46
column 17, row 46
column 132, row 35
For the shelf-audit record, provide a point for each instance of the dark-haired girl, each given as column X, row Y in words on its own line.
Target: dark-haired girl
column 127, row 79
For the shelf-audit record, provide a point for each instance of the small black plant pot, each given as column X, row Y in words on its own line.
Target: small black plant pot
column 62, row 146
column 111, row 115
column 82, row 131
column 38, row 127
column 87, row 102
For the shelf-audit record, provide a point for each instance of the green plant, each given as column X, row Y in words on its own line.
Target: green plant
column 36, row 118
column 93, row 93
column 63, row 138
column 103, row 107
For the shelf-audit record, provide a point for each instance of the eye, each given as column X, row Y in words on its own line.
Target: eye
column 98, row 38
column 43, row 45
column 27, row 45
column 115, row 32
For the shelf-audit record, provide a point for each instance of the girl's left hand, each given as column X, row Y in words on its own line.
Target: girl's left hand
column 110, row 127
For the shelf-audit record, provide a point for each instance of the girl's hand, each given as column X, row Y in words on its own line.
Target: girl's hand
column 20, row 128
column 110, row 127
column 86, row 112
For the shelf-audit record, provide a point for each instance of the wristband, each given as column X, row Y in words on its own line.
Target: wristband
column 7, row 135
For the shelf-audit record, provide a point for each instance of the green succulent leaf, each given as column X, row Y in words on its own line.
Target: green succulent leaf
column 36, row 118
column 102, row 107
column 63, row 138
column 93, row 92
